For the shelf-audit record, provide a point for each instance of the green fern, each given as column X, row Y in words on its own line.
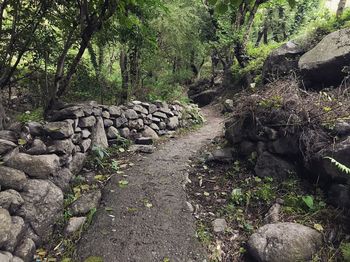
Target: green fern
column 340, row 166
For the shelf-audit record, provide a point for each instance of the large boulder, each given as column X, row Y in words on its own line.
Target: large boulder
column 205, row 98
column 284, row 242
column 12, row 178
column 282, row 61
column 35, row 166
column 323, row 65
column 59, row 130
column 43, row 202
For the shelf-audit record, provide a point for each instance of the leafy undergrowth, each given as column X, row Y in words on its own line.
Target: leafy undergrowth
column 231, row 191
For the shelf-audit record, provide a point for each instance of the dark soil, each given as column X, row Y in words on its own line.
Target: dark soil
column 148, row 219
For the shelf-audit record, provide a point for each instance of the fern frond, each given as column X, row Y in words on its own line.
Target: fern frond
column 340, row 166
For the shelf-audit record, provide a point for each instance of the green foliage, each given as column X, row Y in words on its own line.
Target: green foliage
column 345, row 250
column 203, row 233
column 340, row 166
column 36, row 115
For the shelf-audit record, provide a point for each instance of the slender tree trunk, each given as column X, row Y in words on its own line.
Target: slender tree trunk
column 341, row 7
column 2, row 116
column 123, row 62
column 135, row 72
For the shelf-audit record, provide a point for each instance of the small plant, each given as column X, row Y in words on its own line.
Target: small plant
column 340, row 166
column 202, row 233
column 345, row 251
column 36, row 115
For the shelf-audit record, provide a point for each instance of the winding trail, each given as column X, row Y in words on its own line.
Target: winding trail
column 164, row 232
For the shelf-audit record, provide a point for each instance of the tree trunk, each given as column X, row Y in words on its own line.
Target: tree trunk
column 135, row 71
column 2, row 116
column 341, row 7
column 123, row 62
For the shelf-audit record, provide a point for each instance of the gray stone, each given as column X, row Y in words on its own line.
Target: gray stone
column 149, row 132
column 159, row 115
column 88, row 121
column 43, row 201
column 323, row 65
column 35, row 166
column 125, row 132
column 5, row 227
column 219, row 225
column 6, row 146
column 12, row 178
column 228, row 106
column 76, row 138
column 77, row 163
column 286, row 145
column 156, row 120
column 62, row 179
column 162, row 126
column 136, row 124
column 69, row 112
column 85, row 133
column 269, row 165
column 273, row 215
column 204, row 98
column 11, row 200
column 6, row 256
column 99, row 138
column 114, row 111
column 17, row 231
column 152, row 108
column 173, row 123
column 144, row 141
column 9, row 135
column 85, row 203
column 59, row 130
column 246, row 148
column 140, row 109
column 284, row 242
column 223, row 155
column 74, row 224
column 107, row 122
column 342, row 128
column 26, row 250
column 131, row 114
column 96, row 111
column 154, row 126
column 112, row 133
column 121, row 121
column 339, row 195
column 35, row 128
column 17, row 259
column 85, row 145
column 106, row 114
column 38, row 148
column 61, row 147
column 148, row 149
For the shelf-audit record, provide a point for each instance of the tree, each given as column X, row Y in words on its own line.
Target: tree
column 341, row 7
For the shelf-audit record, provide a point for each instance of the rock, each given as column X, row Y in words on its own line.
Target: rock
column 76, row 138
column 6, row 146
column 59, row 130
column 338, row 195
column 106, row 114
column 38, row 148
column 223, row 155
column 140, row 109
column 323, row 65
column 35, row 128
column 11, row 200
column 219, row 225
column 173, row 123
column 85, row 203
column 342, row 128
column 17, row 259
column 268, row 165
column 148, row 149
column 136, row 124
column 156, row 119
column 97, row 111
column 284, row 242
column 120, row 121
column 107, row 122
column 85, row 145
column 154, row 126
column 35, row 166
column 162, row 126
column 26, row 250
column 29, row 233
column 114, row 111
column 62, row 179
column 282, row 61
column 6, row 256
column 144, row 141
column 246, row 148
column 77, row 163
column 151, row 108
column 159, row 115
column 149, row 132
column 9, row 135
column 131, row 114
column 88, row 121
column 66, row 113
column 228, row 106
column 74, row 224
column 125, row 132
column 12, row 178
column 17, row 230
column 204, row 98
column 285, row 145
column 112, row 133
column 85, row 133
column 61, row 147
column 5, row 227
column 99, row 138
column 43, row 201
column 273, row 215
